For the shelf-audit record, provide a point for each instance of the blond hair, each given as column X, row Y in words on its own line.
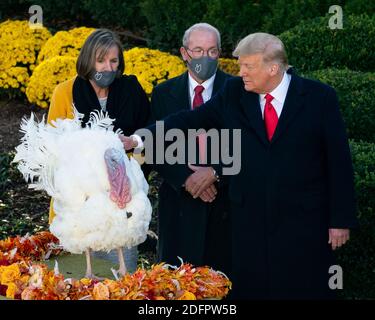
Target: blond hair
column 270, row 46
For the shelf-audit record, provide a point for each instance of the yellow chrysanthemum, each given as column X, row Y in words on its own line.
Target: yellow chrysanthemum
column 229, row 65
column 152, row 66
column 46, row 76
column 19, row 46
column 65, row 43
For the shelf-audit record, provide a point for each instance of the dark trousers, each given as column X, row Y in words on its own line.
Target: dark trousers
column 197, row 232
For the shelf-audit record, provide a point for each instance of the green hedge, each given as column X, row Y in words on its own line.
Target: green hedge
column 357, row 257
column 97, row 13
column 116, row 13
column 234, row 24
column 69, row 10
column 13, row 9
column 284, row 15
column 359, row 7
column 164, row 21
column 168, row 19
column 356, row 95
column 312, row 45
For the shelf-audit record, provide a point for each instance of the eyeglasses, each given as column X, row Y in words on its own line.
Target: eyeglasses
column 199, row 52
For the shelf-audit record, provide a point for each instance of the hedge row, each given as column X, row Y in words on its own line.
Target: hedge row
column 312, row 45
column 355, row 91
column 164, row 21
column 357, row 257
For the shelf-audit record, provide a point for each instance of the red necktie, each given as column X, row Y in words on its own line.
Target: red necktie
column 270, row 117
column 197, row 101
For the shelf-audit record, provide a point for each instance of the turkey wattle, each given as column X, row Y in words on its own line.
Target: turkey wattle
column 100, row 195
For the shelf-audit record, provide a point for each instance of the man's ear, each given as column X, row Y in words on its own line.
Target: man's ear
column 274, row 69
column 183, row 53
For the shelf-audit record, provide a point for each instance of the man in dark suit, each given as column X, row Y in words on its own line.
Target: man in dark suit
column 293, row 201
column 197, row 230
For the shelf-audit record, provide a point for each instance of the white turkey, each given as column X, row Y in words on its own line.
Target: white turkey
column 100, row 195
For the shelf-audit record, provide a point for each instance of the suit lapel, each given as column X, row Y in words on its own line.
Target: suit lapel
column 293, row 103
column 181, row 92
column 219, row 81
column 252, row 111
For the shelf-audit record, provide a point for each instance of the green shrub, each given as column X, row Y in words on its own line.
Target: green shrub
column 355, row 91
column 168, row 20
column 357, row 257
column 284, row 15
column 67, row 13
column 234, row 24
column 312, row 45
column 119, row 13
column 359, row 7
column 13, row 9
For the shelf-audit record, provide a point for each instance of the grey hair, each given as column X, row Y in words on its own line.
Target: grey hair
column 202, row 26
column 270, row 46
column 98, row 42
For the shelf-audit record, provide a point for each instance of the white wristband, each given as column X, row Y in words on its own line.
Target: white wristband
column 140, row 145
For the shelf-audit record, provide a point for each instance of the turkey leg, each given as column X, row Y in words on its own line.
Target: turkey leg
column 89, row 274
column 121, row 262
column 88, row 265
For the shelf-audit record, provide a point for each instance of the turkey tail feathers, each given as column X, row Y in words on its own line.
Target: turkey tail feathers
column 35, row 154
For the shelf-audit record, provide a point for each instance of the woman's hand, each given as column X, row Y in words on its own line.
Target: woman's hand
column 128, row 142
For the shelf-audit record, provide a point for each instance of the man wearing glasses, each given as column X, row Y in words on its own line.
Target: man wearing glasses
column 197, row 230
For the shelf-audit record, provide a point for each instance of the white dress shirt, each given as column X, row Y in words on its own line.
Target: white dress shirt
column 278, row 94
column 208, row 88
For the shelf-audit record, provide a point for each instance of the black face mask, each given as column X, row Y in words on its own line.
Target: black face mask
column 103, row 79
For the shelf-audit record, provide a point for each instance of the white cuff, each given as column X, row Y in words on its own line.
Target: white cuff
column 140, row 145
